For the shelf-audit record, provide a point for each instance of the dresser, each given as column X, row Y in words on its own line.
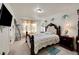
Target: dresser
column 67, row 42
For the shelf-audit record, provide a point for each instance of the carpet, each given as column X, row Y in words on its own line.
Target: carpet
column 53, row 51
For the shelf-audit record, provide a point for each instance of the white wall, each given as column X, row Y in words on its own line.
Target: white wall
column 59, row 21
column 7, row 34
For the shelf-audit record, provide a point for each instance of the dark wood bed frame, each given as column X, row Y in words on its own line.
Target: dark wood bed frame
column 32, row 36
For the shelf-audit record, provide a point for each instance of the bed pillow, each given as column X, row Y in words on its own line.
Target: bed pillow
column 51, row 30
column 47, row 33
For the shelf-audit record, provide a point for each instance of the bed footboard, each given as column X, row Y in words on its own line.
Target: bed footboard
column 32, row 45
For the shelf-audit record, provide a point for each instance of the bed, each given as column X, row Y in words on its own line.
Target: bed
column 38, row 41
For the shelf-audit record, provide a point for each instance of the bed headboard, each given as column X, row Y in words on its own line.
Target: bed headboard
column 58, row 31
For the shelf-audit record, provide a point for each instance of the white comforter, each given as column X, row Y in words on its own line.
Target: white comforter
column 44, row 39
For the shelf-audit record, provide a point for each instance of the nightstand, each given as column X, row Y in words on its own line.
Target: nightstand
column 77, row 42
column 67, row 42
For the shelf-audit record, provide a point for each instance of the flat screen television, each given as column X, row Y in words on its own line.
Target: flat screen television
column 5, row 16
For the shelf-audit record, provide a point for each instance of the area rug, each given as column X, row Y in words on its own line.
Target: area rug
column 53, row 51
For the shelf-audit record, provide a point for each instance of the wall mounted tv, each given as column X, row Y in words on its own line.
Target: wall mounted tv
column 5, row 16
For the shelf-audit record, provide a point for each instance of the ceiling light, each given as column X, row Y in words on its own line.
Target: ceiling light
column 39, row 10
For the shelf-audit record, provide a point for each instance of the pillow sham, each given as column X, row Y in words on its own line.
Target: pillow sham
column 51, row 30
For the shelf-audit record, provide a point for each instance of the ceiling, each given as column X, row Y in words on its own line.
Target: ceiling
column 26, row 10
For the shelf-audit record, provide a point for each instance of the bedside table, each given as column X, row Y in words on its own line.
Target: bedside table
column 77, row 42
column 67, row 42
